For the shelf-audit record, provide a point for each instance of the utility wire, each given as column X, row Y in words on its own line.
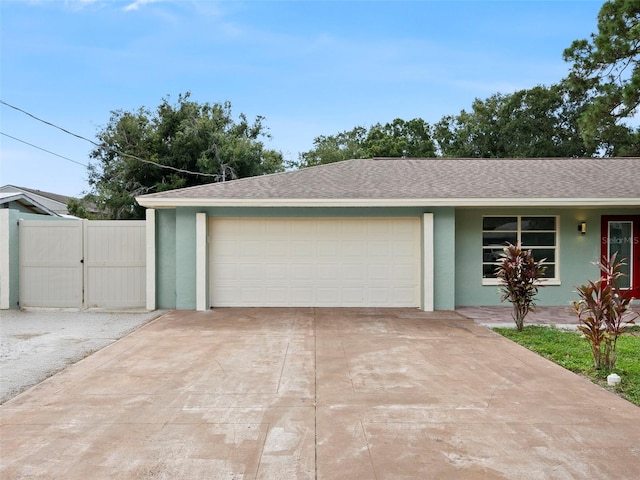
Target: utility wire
column 107, row 147
column 43, row 149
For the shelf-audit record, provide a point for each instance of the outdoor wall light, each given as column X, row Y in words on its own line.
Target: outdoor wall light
column 582, row 227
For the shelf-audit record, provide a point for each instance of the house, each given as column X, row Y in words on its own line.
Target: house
column 24, row 204
column 390, row 232
column 52, row 202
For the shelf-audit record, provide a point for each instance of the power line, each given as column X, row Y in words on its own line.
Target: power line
column 48, row 123
column 107, row 147
column 43, row 149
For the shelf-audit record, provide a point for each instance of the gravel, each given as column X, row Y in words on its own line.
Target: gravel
column 35, row 344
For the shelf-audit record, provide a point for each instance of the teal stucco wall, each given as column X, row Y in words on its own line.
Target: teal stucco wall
column 166, row 259
column 444, row 258
column 176, row 246
column 576, row 252
column 457, row 249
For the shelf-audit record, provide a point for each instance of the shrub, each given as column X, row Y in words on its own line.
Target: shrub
column 604, row 312
column 520, row 275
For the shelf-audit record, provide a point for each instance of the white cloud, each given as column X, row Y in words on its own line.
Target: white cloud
column 137, row 4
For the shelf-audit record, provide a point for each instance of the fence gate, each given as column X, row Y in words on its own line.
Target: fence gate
column 51, row 270
column 82, row 264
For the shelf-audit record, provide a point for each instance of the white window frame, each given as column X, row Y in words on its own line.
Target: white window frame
column 546, row 281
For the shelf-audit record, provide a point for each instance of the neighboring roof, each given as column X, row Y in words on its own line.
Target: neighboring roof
column 25, row 202
column 53, row 201
column 426, row 181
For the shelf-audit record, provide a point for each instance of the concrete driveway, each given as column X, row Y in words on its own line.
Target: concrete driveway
column 317, row 393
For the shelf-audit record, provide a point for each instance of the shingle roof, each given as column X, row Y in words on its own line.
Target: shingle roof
column 439, row 180
column 52, row 196
column 53, row 201
column 28, row 203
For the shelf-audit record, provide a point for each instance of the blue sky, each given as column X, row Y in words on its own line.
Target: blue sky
column 309, row 67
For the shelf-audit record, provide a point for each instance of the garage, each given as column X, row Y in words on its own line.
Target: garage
column 314, row 262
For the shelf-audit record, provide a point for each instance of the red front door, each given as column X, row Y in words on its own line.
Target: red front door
column 621, row 233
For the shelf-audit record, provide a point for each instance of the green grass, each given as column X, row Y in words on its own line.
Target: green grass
column 573, row 352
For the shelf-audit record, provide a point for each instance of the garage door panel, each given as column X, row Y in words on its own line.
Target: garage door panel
column 315, row 262
column 253, row 295
column 353, row 296
column 301, row 248
column 328, row 296
column 352, row 248
column 302, row 296
column 379, row 296
column 354, row 228
column 277, row 248
column 277, row 271
column 379, row 248
column 330, row 271
column 379, row 272
column 226, row 272
column 353, row 272
column 328, row 248
column 252, row 272
column 252, row 248
column 404, row 273
column 402, row 249
column 228, row 249
column 251, row 227
column 277, row 296
column 298, row 228
column 402, row 295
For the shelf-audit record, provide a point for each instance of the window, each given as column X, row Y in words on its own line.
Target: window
column 535, row 233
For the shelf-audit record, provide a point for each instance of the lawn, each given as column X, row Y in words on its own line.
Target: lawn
column 573, row 352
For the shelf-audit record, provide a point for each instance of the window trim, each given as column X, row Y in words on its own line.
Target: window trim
column 545, row 281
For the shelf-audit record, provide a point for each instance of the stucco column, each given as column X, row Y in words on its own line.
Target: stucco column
column 4, row 259
column 427, row 262
column 202, row 303
column 151, row 258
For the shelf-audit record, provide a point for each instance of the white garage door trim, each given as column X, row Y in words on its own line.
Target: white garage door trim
column 316, row 262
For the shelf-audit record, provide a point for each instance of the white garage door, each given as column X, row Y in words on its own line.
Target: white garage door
column 314, row 262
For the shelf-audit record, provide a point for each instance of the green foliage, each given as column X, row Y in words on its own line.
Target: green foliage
column 537, row 122
column 79, row 208
column 335, row 148
column 185, row 137
column 606, row 72
column 604, row 312
column 520, row 279
column 399, row 138
column 569, row 350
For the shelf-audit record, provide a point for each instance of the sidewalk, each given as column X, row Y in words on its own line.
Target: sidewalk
column 495, row 317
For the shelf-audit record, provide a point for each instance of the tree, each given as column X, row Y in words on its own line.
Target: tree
column 176, row 146
column 399, row 138
column 605, row 70
column 537, row 122
column 335, row 148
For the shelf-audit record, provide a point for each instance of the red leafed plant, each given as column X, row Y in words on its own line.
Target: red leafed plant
column 520, row 274
column 604, row 311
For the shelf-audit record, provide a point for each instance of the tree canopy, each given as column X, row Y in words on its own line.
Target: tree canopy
column 398, row 138
column 537, row 122
column 606, row 71
column 175, row 146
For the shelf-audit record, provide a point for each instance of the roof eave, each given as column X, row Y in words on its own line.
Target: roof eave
column 167, row 202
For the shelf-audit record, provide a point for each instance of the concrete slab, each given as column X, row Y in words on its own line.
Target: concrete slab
column 36, row 343
column 317, row 393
